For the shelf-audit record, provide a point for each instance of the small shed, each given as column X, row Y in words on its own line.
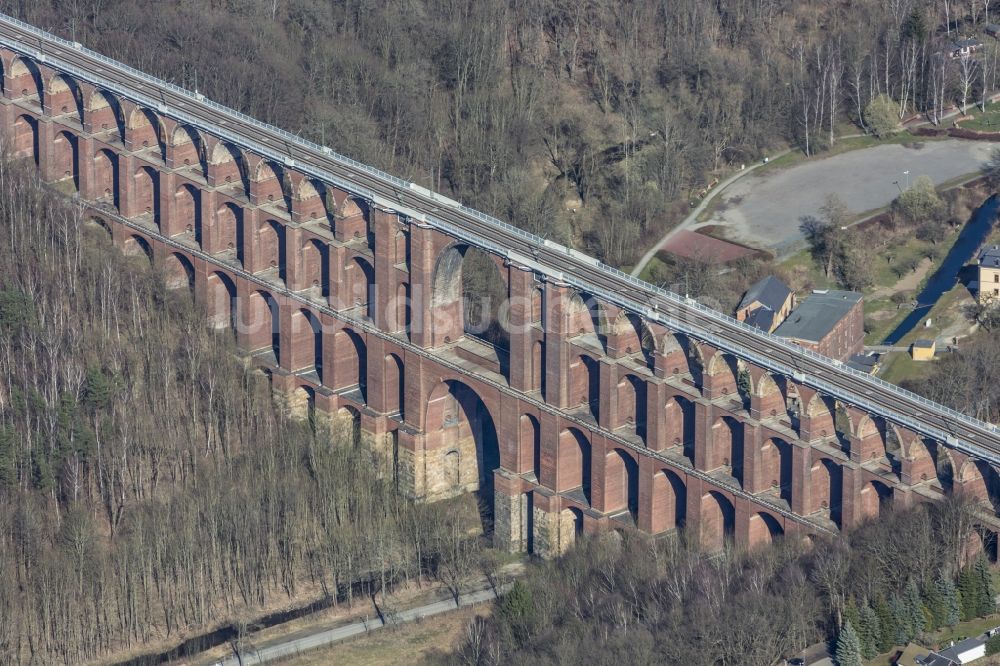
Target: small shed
column 923, row 350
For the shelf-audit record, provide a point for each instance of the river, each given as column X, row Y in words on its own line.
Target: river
column 946, row 276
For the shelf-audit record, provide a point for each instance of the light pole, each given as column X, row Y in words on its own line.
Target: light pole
column 907, row 174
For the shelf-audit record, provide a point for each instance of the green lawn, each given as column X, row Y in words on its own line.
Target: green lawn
column 988, row 121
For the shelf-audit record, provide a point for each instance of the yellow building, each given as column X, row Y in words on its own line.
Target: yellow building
column 923, row 350
column 989, row 275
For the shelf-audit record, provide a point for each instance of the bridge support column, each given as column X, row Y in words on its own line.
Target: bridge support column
column 421, row 283
column 46, row 150
column 511, row 513
column 170, row 224
column 741, row 523
column 850, row 496
column 557, row 303
column 293, row 272
column 801, row 479
column 703, row 417
column 126, row 185
column 607, row 410
column 206, row 200
column 409, row 478
column 85, row 165
column 692, row 513
column 754, row 478
column 521, row 283
column 548, row 465
column 655, row 401
column 647, row 469
column 382, row 312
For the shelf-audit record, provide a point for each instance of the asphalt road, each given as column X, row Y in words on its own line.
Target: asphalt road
column 764, row 210
column 289, row 647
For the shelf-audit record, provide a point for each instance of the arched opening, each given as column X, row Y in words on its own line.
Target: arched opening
column 723, row 377
column 104, row 114
column 537, row 306
column 307, row 344
column 311, row 201
column 870, row 436
column 221, row 298
column 678, row 425
column 228, row 167
column 187, row 209
column 826, row 487
column 66, row 159
column 64, row 98
column 359, row 284
column 469, row 293
column 394, row 385
column 570, row 528
column 621, row 483
column 875, row 498
column 137, row 246
column 632, row 404
column 99, row 229
column 353, row 221
column 585, row 384
column 227, row 235
column 146, row 193
column 315, row 268
column 764, row 528
column 458, row 422
column 586, row 322
column 262, row 325
column 669, row 498
column 25, row 81
column 818, row 421
column 634, row 338
column 178, row 272
column 530, row 442
column 727, row 446
column 271, row 248
column 770, row 399
column 144, row 131
column 26, row 138
column 717, row 521
column 187, row 149
column 268, row 185
column 349, row 419
column 302, row 404
column 351, row 363
column 573, row 465
column 979, row 480
column 776, row 467
column 106, row 176
column 945, row 468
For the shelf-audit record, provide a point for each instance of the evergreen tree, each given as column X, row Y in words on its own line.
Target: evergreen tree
column 949, row 601
column 984, row 584
column 970, row 593
column 934, row 601
column 848, row 651
column 901, row 621
column 868, row 632
column 914, row 608
column 851, row 613
column 886, row 625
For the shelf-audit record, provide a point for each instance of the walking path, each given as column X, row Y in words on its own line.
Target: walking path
column 289, row 647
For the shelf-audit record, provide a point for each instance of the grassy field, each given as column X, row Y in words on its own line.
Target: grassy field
column 988, row 121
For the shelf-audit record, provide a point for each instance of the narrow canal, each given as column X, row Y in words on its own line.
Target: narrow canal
column 945, row 277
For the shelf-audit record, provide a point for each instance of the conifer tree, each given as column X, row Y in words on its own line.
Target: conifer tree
column 914, row 608
column 886, row 625
column 848, row 651
column 984, row 584
column 934, row 601
column 949, row 601
column 901, row 621
column 868, row 632
column 970, row 593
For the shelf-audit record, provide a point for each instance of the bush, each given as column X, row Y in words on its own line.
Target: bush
column 920, row 202
column 881, row 116
column 993, row 644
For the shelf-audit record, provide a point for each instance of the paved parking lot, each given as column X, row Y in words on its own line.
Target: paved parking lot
column 763, row 209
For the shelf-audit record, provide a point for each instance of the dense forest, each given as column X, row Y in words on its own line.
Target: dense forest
column 631, row 599
column 148, row 486
column 590, row 121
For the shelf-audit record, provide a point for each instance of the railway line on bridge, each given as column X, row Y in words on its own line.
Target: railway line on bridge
column 743, row 461
column 681, row 314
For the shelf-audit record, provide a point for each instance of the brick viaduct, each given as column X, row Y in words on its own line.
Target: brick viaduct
column 591, row 417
